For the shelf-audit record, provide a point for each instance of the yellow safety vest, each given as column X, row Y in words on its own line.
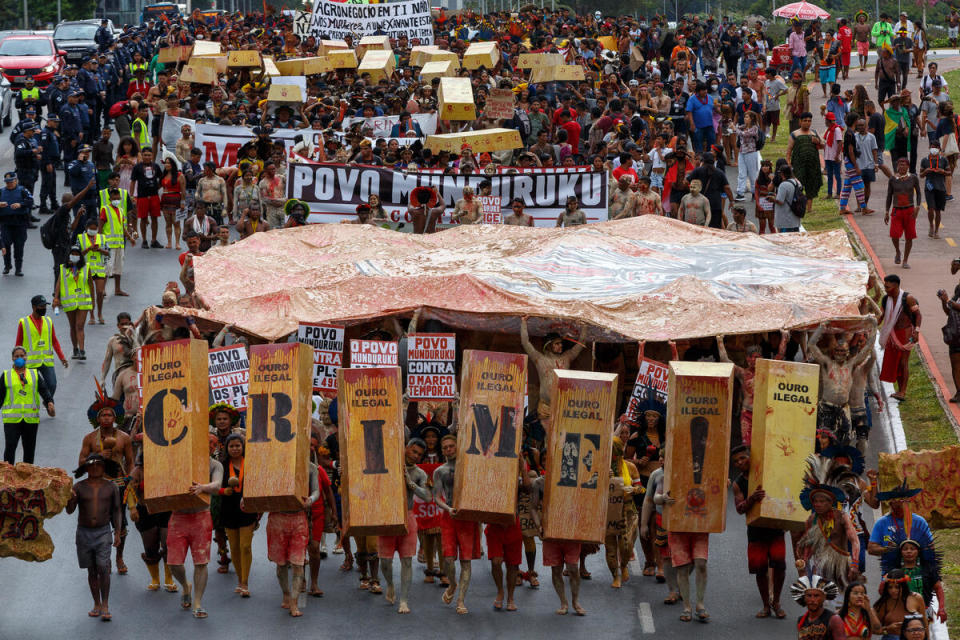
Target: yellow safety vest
column 94, row 259
column 38, row 343
column 75, row 289
column 105, row 196
column 142, row 138
column 116, row 220
column 30, row 94
column 22, row 402
column 133, row 66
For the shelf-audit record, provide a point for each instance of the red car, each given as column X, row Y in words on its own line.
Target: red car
column 29, row 55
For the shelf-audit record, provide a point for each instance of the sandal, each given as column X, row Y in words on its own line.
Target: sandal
column 245, row 593
column 347, row 564
column 199, row 613
column 223, row 569
column 585, row 575
column 498, row 604
column 673, row 598
column 686, row 616
column 660, row 577
column 779, row 612
column 534, row 582
column 315, row 593
column 375, row 587
column 186, row 600
column 703, row 616
column 106, row 617
column 763, row 613
column 364, row 584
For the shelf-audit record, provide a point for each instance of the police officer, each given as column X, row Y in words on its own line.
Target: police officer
column 79, row 173
column 71, row 128
column 108, row 79
column 49, row 159
column 94, row 94
column 104, row 35
column 26, row 157
column 29, row 96
column 15, row 203
column 57, row 94
column 28, row 119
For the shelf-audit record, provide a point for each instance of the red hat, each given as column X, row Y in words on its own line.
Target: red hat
column 465, row 146
column 831, row 117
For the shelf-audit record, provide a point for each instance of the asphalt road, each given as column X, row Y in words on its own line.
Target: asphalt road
column 50, row 600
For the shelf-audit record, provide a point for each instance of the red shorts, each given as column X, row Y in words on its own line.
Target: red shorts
column 902, row 223
column 317, row 520
column 193, row 530
column 505, row 542
column 845, row 58
column 405, row 545
column 556, row 554
column 148, row 207
column 687, row 547
column 769, row 554
column 863, row 48
column 460, row 538
column 287, row 537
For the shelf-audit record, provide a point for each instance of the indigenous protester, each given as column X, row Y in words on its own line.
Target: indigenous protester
column 899, row 333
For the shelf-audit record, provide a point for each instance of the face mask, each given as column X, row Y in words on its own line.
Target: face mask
column 934, row 152
column 91, row 232
column 74, row 259
column 19, row 362
column 41, row 311
column 115, row 203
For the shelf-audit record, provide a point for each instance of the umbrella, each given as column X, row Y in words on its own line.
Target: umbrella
column 801, row 10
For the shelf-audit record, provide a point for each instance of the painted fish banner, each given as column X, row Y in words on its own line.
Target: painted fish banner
column 333, row 191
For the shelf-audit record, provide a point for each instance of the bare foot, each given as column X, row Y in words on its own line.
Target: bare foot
column 625, row 574
column 118, row 292
column 285, row 604
column 562, row 611
column 616, row 583
column 390, row 594
column 511, row 606
column 577, row 609
column 403, row 608
column 294, row 612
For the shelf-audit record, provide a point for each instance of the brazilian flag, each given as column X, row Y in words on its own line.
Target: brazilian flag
column 894, row 118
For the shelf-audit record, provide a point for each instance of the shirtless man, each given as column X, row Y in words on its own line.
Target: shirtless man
column 505, row 545
column 460, row 538
column 836, row 379
column 861, row 35
column 193, row 529
column 113, row 444
column 518, row 218
column 902, row 209
column 901, row 329
column 115, row 349
column 745, row 375
column 863, row 373
column 99, row 502
column 623, row 200
column 405, row 545
column 288, row 534
column 467, row 210
column 252, row 222
column 424, row 216
column 572, row 215
column 648, row 202
column 552, row 357
column 694, row 206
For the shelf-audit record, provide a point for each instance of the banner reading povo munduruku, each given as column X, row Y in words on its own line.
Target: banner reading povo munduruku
column 333, row 191
column 220, row 143
column 335, row 20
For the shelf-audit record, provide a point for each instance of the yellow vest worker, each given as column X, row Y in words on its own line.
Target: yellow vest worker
column 73, row 289
column 95, row 260
column 22, row 390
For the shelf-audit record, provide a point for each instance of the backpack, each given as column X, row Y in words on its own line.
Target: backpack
column 761, row 138
column 46, row 233
column 798, row 205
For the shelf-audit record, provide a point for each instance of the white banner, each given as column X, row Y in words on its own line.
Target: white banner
column 229, row 369
column 170, row 132
column 335, row 20
column 327, row 342
column 220, row 143
column 367, row 354
column 431, row 373
column 382, row 125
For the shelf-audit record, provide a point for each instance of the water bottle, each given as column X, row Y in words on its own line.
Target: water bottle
column 56, row 311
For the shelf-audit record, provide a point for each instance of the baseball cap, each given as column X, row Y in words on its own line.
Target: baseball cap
column 87, row 147
column 53, row 118
column 9, row 175
column 38, row 301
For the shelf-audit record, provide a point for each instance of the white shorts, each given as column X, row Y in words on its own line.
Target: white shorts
column 115, row 264
column 952, row 32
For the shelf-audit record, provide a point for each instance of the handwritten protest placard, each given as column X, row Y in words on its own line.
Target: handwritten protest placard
column 499, row 104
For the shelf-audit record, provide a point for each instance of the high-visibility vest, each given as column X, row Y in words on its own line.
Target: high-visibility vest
column 22, row 402
column 30, row 94
column 115, row 220
column 94, row 259
column 75, row 289
column 143, row 138
column 38, row 342
column 133, row 66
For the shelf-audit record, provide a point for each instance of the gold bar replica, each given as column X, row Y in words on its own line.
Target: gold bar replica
column 488, row 440
column 176, row 447
column 278, row 427
column 698, row 446
column 578, row 459
column 784, row 433
column 371, row 451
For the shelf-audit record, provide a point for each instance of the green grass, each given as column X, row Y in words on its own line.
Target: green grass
column 925, row 422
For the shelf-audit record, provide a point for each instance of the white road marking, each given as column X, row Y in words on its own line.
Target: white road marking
column 645, row 615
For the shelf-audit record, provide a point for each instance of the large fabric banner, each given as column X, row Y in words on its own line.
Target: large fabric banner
column 382, row 125
column 334, row 191
column 170, row 132
column 335, row 20
column 220, row 143
column 937, row 472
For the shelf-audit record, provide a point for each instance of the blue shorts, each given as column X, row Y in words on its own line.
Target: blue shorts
column 828, row 76
column 868, row 175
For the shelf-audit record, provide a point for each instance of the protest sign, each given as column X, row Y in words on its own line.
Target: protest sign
column 650, row 389
column 382, row 125
column 496, row 139
column 431, row 359
column 301, row 23
column 170, row 132
column 365, row 354
column 499, row 104
column 327, row 342
column 492, row 209
column 410, row 18
column 334, row 191
column 220, row 143
column 229, row 369
column 937, row 472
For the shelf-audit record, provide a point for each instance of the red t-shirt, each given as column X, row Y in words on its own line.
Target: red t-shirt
column 556, row 114
column 573, row 134
column 845, row 34
column 625, row 170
